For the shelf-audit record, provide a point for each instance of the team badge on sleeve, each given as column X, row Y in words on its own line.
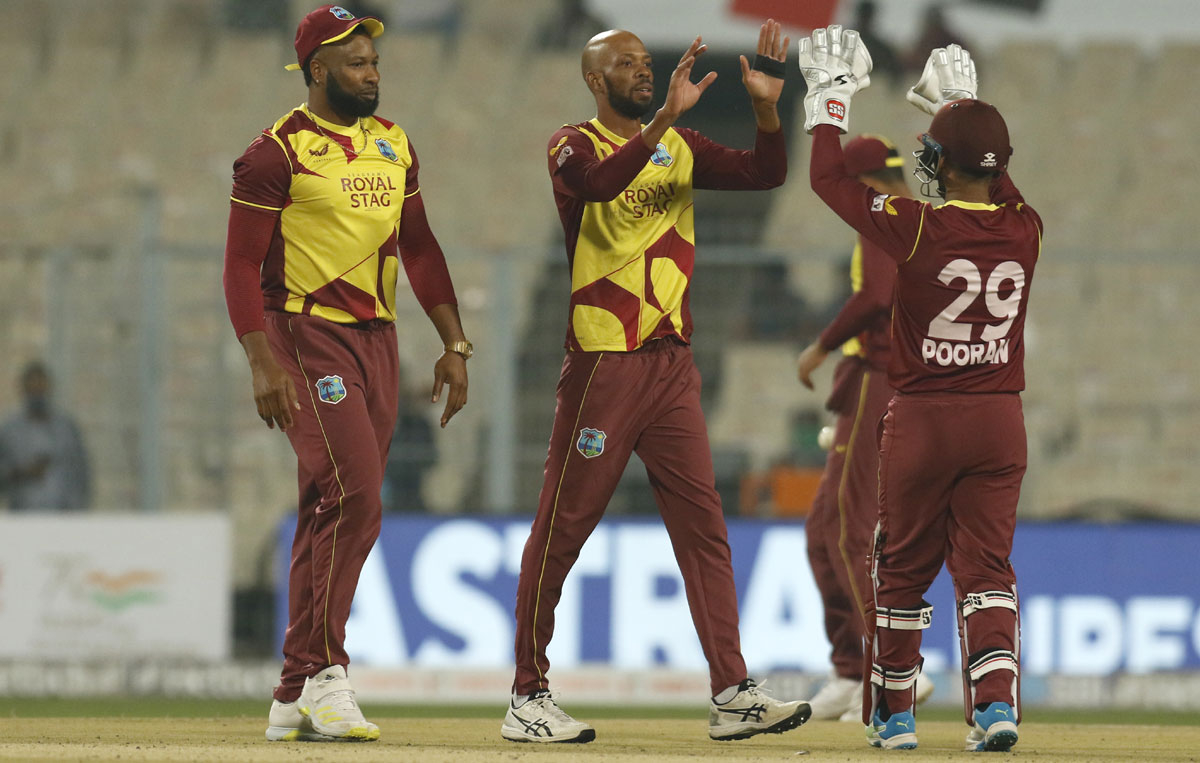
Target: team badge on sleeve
column 590, row 442
column 331, row 389
column 661, row 156
column 878, row 202
column 386, row 149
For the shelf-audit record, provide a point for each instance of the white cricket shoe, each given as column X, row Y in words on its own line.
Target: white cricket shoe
column 853, row 711
column 328, row 703
column 286, row 724
column 540, row 719
column 751, row 712
column 837, row 698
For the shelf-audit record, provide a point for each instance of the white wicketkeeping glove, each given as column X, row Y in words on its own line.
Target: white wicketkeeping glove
column 949, row 75
column 835, row 64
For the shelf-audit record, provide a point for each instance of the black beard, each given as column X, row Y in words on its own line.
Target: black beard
column 626, row 107
column 346, row 103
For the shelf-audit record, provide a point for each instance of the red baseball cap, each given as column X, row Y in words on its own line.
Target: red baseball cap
column 327, row 24
column 972, row 135
column 870, row 153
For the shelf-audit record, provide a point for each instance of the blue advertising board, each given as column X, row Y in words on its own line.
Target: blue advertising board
column 439, row 592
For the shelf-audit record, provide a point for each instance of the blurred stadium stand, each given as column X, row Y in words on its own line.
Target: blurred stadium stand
column 122, row 118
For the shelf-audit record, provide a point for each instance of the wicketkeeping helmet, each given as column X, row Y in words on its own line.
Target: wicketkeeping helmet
column 970, row 134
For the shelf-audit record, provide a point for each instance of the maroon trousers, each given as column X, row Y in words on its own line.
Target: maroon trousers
column 950, row 475
column 347, row 381
column 609, row 405
column 841, row 527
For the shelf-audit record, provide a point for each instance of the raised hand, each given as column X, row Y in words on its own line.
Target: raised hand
column 949, row 75
column 762, row 87
column 835, row 64
column 682, row 93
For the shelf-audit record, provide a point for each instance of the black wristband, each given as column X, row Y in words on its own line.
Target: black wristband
column 770, row 67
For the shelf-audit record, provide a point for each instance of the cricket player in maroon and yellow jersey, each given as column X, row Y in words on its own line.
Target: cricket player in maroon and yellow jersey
column 624, row 194
column 326, row 207
column 952, row 450
column 841, row 526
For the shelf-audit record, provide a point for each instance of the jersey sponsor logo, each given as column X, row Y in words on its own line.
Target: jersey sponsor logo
column 836, row 109
column 341, row 13
column 324, row 150
column 878, row 202
column 650, row 200
column 590, row 442
column 386, row 149
column 331, row 389
column 369, row 191
column 661, row 157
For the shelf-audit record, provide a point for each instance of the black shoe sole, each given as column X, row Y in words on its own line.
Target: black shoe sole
column 795, row 720
column 584, row 737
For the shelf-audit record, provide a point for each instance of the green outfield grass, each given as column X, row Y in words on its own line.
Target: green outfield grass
column 177, row 730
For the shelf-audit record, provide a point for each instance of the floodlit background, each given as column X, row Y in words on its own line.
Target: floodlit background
column 119, row 126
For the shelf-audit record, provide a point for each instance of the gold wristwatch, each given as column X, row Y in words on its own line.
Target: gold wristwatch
column 463, row 348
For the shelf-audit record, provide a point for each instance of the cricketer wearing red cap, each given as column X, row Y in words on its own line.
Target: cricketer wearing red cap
column 326, row 207
column 952, row 447
column 841, row 525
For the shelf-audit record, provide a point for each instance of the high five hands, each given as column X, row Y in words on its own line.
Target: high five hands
column 763, row 85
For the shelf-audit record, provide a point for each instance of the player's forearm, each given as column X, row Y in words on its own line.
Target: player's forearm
column 854, row 318
column 257, row 349
column 605, row 180
column 449, row 327
column 766, row 116
column 653, row 132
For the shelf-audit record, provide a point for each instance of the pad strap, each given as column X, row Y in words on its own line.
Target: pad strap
column 897, row 680
column 904, row 619
column 770, row 67
column 984, row 662
column 973, row 602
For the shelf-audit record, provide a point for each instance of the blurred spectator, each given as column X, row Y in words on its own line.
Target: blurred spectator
column 935, row 33
column 412, row 454
column 883, row 55
column 570, row 27
column 43, row 464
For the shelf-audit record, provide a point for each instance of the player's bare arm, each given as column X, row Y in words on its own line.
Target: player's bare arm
column 682, row 93
column 451, row 367
column 765, row 89
column 274, row 391
column 809, row 361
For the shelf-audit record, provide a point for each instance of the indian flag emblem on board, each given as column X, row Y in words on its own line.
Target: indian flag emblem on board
column 590, row 442
column 331, row 389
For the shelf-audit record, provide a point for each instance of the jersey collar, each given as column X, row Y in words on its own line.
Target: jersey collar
column 607, row 133
column 969, row 205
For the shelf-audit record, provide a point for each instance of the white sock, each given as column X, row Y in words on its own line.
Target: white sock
column 726, row 695
column 518, row 700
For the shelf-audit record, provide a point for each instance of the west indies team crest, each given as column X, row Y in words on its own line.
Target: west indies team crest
column 661, row 156
column 590, row 442
column 386, row 149
column 341, row 13
column 331, row 389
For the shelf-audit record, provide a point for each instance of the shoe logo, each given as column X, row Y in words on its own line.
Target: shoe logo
column 902, row 723
column 1002, row 712
column 751, row 713
column 535, row 728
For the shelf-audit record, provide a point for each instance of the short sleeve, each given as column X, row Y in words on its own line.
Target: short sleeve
column 262, row 176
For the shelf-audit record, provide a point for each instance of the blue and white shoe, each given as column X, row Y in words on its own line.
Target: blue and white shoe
column 995, row 729
column 898, row 732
